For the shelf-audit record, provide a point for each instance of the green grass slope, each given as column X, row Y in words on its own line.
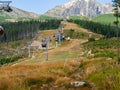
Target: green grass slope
column 103, row 70
column 3, row 17
column 41, row 17
column 78, row 18
column 44, row 17
column 104, row 19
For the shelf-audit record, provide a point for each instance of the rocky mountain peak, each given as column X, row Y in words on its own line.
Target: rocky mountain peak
column 89, row 8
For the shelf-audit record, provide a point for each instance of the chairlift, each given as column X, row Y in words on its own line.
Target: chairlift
column 1, row 30
column 61, row 37
column 44, row 44
column 8, row 9
column 4, row 5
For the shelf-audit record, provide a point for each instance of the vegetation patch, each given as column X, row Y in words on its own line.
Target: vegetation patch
column 105, row 18
column 104, row 29
column 106, row 78
column 102, row 43
column 91, row 39
column 4, row 61
column 39, row 80
column 106, row 53
column 74, row 34
column 78, row 18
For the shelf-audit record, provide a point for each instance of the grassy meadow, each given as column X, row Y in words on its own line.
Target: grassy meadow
column 105, row 19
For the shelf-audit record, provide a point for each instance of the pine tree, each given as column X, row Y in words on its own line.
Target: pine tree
column 116, row 5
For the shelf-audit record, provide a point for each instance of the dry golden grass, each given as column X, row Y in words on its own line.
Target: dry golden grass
column 24, row 77
column 46, row 33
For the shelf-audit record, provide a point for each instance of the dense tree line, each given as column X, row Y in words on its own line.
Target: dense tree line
column 106, row 30
column 24, row 29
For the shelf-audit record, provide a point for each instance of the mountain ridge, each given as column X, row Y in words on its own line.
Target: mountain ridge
column 89, row 8
column 21, row 13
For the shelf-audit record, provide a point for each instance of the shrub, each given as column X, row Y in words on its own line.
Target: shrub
column 106, row 54
column 82, row 64
column 8, row 60
column 75, row 34
column 91, row 39
column 39, row 80
column 71, row 32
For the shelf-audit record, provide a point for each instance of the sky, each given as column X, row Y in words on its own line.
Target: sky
column 41, row 6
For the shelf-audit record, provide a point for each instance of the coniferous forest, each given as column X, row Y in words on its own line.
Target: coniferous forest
column 25, row 29
column 104, row 29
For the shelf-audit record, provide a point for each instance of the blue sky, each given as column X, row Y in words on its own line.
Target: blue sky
column 41, row 6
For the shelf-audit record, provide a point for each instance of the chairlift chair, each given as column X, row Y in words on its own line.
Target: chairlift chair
column 4, row 5
column 44, row 44
column 8, row 9
column 1, row 30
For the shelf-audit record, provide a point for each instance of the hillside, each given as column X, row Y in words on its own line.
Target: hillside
column 44, row 17
column 61, row 62
column 104, row 19
column 4, row 16
column 66, row 51
column 78, row 18
column 87, row 57
column 15, row 14
column 21, row 13
column 40, row 17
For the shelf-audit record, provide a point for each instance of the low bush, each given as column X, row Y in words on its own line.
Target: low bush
column 8, row 60
column 91, row 39
column 75, row 34
column 106, row 54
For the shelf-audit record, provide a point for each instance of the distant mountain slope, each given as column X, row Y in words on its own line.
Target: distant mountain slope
column 89, row 8
column 17, row 13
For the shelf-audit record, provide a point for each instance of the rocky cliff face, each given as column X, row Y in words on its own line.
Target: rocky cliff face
column 89, row 8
